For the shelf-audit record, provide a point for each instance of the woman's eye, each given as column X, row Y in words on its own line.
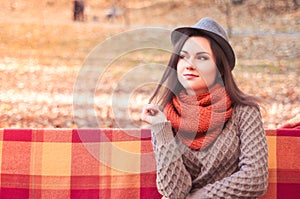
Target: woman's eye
column 182, row 56
column 202, row 58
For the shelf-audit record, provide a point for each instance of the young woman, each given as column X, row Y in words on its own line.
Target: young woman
column 207, row 135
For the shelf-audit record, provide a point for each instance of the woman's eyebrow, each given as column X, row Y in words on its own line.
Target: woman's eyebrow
column 199, row 53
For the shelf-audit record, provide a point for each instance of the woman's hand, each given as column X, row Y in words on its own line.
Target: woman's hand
column 195, row 194
column 152, row 114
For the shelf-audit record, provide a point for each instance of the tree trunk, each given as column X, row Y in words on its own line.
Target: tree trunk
column 228, row 19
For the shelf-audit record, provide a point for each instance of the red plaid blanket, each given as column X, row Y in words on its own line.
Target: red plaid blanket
column 112, row 163
column 66, row 163
column 284, row 163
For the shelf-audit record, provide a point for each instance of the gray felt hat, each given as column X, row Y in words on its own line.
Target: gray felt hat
column 211, row 28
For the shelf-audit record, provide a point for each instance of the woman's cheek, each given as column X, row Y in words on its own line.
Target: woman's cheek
column 208, row 71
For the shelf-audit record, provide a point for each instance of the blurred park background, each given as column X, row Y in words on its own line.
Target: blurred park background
column 42, row 49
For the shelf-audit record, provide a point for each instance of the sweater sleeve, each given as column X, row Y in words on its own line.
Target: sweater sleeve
column 251, row 179
column 173, row 180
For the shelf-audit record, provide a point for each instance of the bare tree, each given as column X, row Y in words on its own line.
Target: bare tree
column 225, row 7
column 126, row 13
column 237, row 2
column 296, row 4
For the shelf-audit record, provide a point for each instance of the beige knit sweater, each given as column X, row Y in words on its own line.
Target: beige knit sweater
column 234, row 166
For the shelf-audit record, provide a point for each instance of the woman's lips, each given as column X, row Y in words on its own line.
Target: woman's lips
column 190, row 76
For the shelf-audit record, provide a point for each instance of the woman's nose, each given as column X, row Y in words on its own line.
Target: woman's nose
column 189, row 65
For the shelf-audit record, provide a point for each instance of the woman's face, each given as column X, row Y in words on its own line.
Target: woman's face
column 196, row 68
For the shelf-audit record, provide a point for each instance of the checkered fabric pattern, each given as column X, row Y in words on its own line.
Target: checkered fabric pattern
column 112, row 163
column 68, row 163
column 284, row 163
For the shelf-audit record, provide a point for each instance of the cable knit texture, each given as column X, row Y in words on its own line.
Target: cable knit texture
column 198, row 120
column 234, row 166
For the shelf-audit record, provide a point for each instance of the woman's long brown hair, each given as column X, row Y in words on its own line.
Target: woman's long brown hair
column 170, row 86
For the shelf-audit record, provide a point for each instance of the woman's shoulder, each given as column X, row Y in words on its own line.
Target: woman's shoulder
column 247, row 119
column 242, row 108
column 244, row 112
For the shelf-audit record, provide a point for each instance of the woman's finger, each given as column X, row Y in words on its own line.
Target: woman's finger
column 151, row 109
column 151, row 114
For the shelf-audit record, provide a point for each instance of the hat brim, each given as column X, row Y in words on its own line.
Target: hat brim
column 225, row 46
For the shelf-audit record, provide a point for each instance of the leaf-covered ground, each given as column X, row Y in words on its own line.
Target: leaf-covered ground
column 41, row 58
column 40, row 96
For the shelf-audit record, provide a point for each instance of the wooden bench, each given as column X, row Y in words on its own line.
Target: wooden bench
column 112, row 163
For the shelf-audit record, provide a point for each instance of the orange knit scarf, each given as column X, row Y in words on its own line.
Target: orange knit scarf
column 198, row 120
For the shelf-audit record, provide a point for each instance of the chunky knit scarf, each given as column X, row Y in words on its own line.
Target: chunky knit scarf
column 198, row 120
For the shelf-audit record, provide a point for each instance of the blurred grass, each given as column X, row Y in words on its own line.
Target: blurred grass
column 57, row 41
